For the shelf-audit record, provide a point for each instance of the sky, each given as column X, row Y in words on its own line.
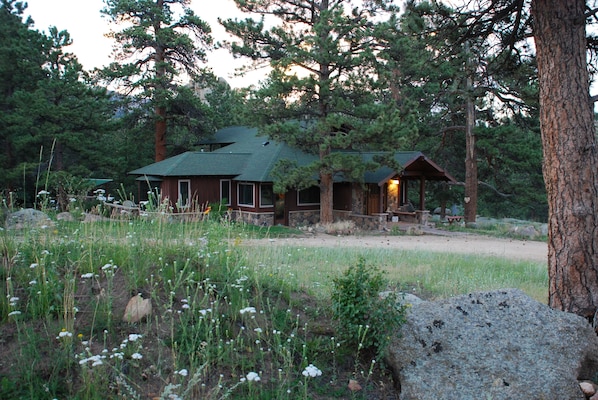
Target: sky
column 87, row 27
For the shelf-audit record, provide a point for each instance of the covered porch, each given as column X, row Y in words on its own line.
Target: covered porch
column 388, row 192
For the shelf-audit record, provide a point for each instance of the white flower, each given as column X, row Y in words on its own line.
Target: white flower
column 87, row 275
column 33, row 265
column 182, row 372
column 134, row 336
column 13, row 313
column 136, row 356
column 64, row 334
column 108, row 266
column 33, row 282
column 43, row 192
column 311, row 370
column 253, row 376
column 250, row 310
column 13, row 300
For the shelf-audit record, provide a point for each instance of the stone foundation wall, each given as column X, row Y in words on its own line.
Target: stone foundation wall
column 304, row 218
column 258, row 219
column 374, row 222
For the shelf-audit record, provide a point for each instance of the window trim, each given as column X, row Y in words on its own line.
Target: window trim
column 299, row 203
column 252, row 194
column 179, row 203
column 228, row 198
column 262, row 205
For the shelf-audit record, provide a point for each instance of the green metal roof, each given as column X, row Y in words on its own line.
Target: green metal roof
column 98, row 181
column 195, row 163
column 249, row 157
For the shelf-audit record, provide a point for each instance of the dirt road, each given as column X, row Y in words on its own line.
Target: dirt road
column 456, row 243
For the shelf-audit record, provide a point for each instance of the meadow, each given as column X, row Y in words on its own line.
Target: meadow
column 228, row 320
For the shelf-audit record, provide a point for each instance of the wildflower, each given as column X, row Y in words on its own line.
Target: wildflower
column 134, row 336
column 95, row 360
column 250, row 310
column 109, row 266
column 33, row 265
column 136, row 356
column 13, row 313
column 253, row 376
column 64, row 334
column 311, row 370
column 43, row 192
column 33, row 282
column 87, row 275
column 258, row 330
column 182, row 372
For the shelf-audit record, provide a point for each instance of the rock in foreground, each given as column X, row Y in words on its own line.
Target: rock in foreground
column 497, row 345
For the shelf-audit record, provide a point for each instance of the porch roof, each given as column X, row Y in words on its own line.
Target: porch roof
column 415, row 166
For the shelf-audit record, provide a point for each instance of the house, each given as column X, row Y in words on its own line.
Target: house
column 235, row 170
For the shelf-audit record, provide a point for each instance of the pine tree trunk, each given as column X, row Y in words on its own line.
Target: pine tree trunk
column 471, row 165
column 326, row 193
column 159, row 95
column 570, row 158
column 160, row 134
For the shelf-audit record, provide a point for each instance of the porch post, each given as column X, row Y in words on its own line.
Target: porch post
column 422, row 193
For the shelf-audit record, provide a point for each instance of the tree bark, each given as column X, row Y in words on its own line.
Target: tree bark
column 570, row 158
column 160, row 134
column 160, row 109
column 471, row 162
column 326, row 194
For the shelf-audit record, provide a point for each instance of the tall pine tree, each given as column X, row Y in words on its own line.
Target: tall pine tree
column 161, row 41
column 325, row 94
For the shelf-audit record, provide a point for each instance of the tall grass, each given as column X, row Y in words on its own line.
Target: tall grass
column 228, row 320
column 432, row 274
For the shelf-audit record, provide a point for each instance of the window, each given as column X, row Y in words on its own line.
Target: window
column 184, row 193
column 266, row 195
column 311, row 195
column 246, row 194
column 225, row 191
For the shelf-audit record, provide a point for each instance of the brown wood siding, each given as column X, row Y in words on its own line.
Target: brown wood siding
column 203, row 189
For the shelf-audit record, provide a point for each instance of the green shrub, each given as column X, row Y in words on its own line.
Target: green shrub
column 364, row 317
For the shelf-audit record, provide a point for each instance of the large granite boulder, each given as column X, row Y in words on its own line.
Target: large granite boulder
column 28, row 218
column 492, row 345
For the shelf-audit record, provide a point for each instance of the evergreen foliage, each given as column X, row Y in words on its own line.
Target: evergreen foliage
column 52, row 118
column 161, row 41
column 433, row 68
column 326, row 90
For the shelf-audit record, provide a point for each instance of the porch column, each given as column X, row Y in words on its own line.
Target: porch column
column 422, row 193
